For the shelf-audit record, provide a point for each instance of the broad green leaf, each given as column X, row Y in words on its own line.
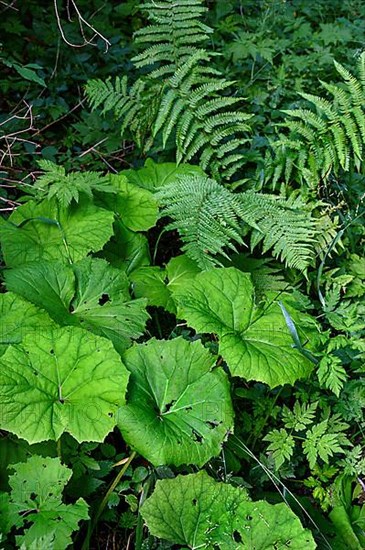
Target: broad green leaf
column 179, row 410
column 153, row 175
column 65, row 380
column 126, row 250
column 157, row 284
column 102, row 303
column 49, row 285
column 136, row 206
column 180, row 271
column 36, row 497
column 256, row 343
column 18, row 318
column 47, row 231
column 198, row 512
column 91, row 294
column 150, row 282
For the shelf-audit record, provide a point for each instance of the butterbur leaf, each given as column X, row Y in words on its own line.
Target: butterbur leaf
column 256, row 343
column 18, row 318
column 179, row 410
column 91, row 294
column 36, row 498
column 126, row 250
column 136, row 206
column 47, row 231
column 150, row 282
column 65, row 380
column 153, row 175
column 198, row 512
column 102, row 303
column 49, row 285
column 157, row 284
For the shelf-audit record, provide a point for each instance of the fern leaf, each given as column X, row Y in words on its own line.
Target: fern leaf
column 210, row 218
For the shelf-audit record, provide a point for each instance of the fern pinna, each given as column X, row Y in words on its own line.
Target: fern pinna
column 209, row 218
column 179, row 96
column 327, row 136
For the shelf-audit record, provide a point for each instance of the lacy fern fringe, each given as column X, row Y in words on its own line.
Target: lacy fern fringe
column 210, row 219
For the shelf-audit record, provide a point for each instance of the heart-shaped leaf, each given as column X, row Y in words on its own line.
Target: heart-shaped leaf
column 136, row 206
column 65, row 380
column 255, row 342
column 179, row 408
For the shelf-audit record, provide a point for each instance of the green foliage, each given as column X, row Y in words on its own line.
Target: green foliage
column 326, row 138
column 65, row 380
column 219, row 516
column 181, row 96
column 185, row 404
column 254, row 341
column 92, row 295
column 67, row 188
column 210, row 218
column 49, row 232
column 36, row 498
column 272, row 348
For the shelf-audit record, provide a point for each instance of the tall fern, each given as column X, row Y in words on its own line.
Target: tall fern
column 210, row 218
column 325, row 137
column 179, row 95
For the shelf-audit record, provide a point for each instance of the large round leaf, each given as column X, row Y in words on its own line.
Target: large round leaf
column 198, row 512
column 255, row 342
column 47, row 231
column 66, row 380
column 179, row 410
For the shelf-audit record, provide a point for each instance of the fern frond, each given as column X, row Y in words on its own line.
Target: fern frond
column 209, row 218
column 331, row 132
column 180, row 95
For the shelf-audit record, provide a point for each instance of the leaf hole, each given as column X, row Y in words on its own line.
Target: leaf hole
column 32, row 496
column 249, row 518
column 237, row 536
column 104, row 299
column 169, row 405
column 51, row 351
column 110, row 414
column 194, row 502
column 61, row 401
column 212, row 424
column 197, row 437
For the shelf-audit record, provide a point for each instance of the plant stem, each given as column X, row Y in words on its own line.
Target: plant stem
column 104, row 502
column 59, row 449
